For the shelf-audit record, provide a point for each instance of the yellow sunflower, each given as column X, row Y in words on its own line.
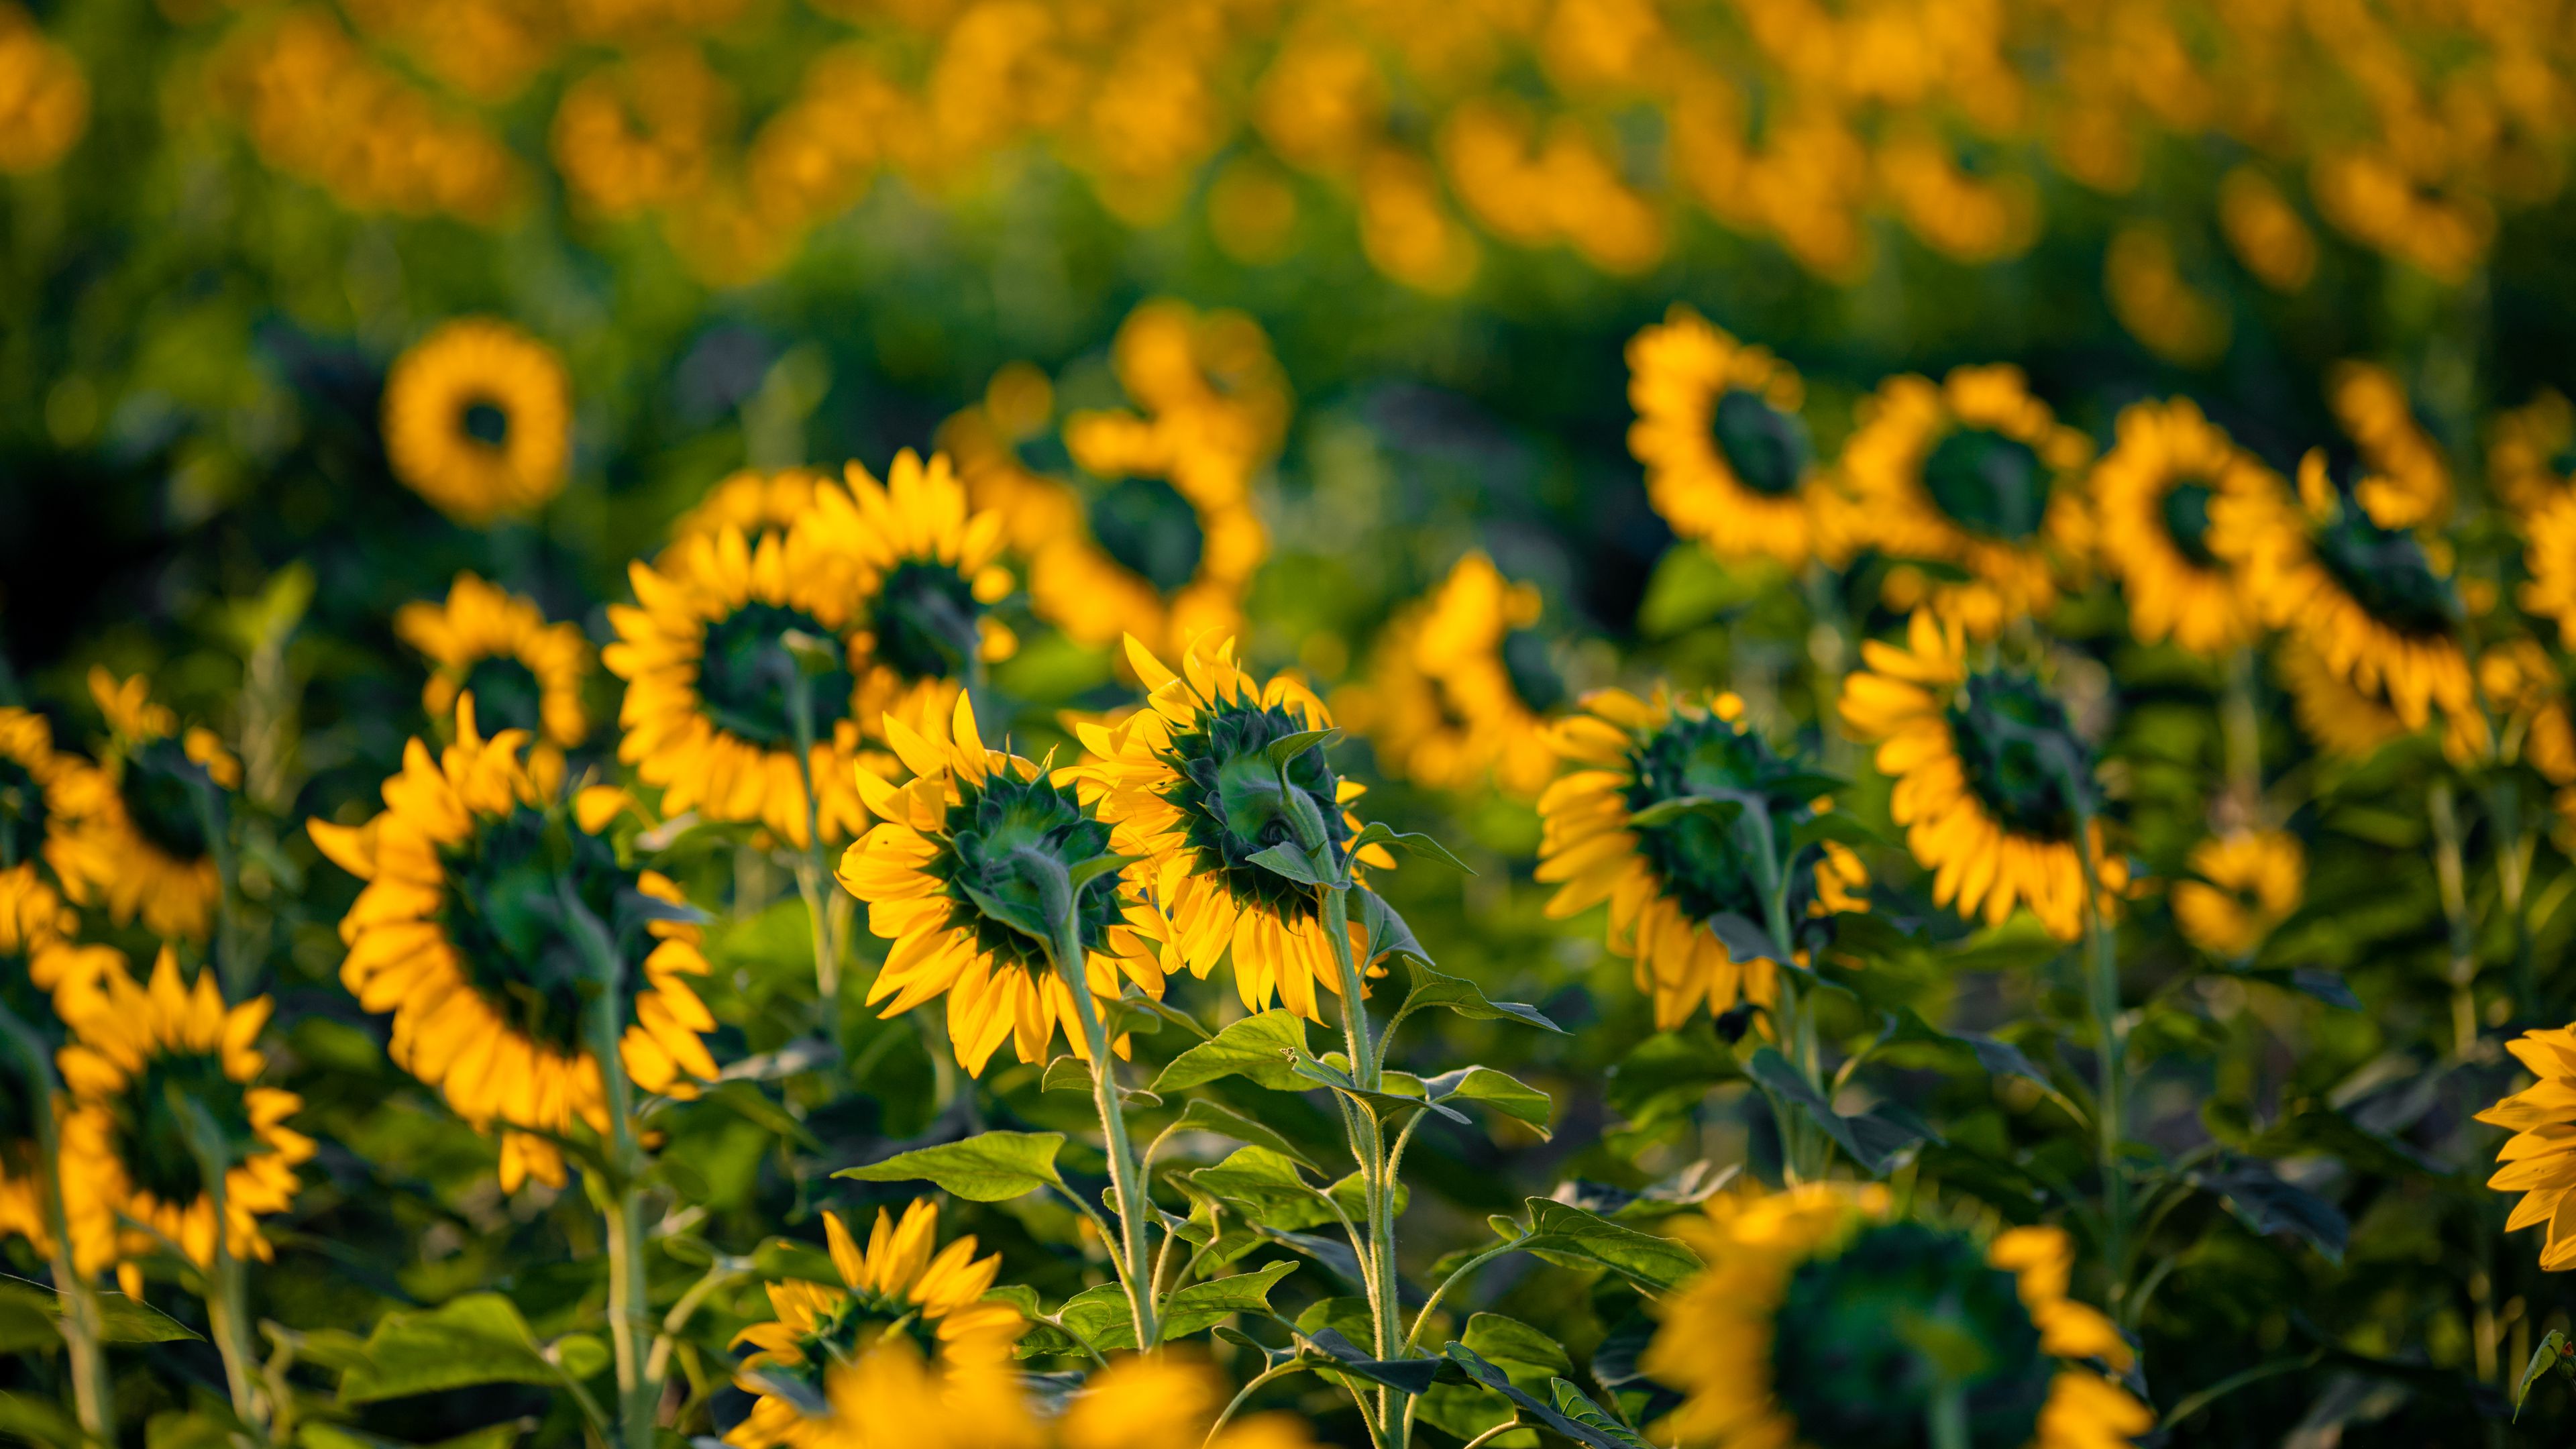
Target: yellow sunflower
column 1461, row 686
column 2531, row 451
column 1666, row 881
column 2549, row 553
column 2409, row 482
column 1210, row 375
column 1166, row 544
column 749, row 502
column 889, row 1398
column 126, row 1152
column 34, row 927
column 1826, row 1321
column 1979, row 759
column 478, row 420
column 29, row 766
column 2154, row 494
column 38, row 951
column 524, row 673
column 131, row 834
column 1189, row 788
column 458, row 934
column 1168, row 1401
column 991, row 444
column 2341, row 720
column 1972, row 474
column 2539, row 1160
column 896, row 1289
column 2374, row 605
column 1727, row 455
column 2243, row 885
column 949, row 834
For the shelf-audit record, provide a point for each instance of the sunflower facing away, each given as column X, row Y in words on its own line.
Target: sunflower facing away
column 1976, row 475
column 131, row 834
column 1190, row 789
column 951, row 834
column 2539, row 1160
column 1979, row 759
column 460, row 935
column 750, row 501
column 1667, row 880
column 2409, row 482
column 2155, row 493
column 1166, row 544
column 1461, row 687
column 524, row 673
column 29, row 767
column 138, row 1057
column 1825, row 1321
column 478, row 420
column 2549, row 553
column 1728, row 459
column 2531, row 451
column 2341, row 720
column 2244, row 884
column 897, row 1289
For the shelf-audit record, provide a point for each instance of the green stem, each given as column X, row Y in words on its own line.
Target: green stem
column 2451, row 873
column 811, row 869
column 230, row 969
column 1805, row 1151
column 1947, row 1420
column 91, row 1399
column 618, row 1191
column 2514, row 847
column 2110, row 1109
column 227, row 1291
column 1376, row 1166
column 1134, row 1207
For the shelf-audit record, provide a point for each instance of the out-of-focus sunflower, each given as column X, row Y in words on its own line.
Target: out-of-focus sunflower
column 1727, row 454
column 2409, row 482
column 2371, row 603
column 1460, row 687
column 2549, row 553
column 523, row 672
column 2539, row 1160
column 2243, row 885
column 1168, row 1401
column 478, row 420
column 1972, row 474
column 749, row 502
column 2154, row 493
column 2531, row 451
column 2342, row 720
column 896, row 1288
column 34, row 927
column 1825, row 1321
column 1208, row 375
column 29, row 766
column 991, row 443
column 1190, row 789
column 951, row 835
column 1979, row 757
column 45, row 973
column 2523, row 716
column 134, row 1057
column 459, row 933
column 1666, row 880
column 131, row 834
column 889, row 1398
column 1167, row 544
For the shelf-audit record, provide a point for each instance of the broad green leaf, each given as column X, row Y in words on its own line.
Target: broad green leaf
column 993, row 1167
column 1100, row 1316
column 2553, row 1353
column 2265, row 1204
column 1653, row 1262
column 1412, row 1375
column 1721, row 808
column 1098, row 866
column 1264, row 1187
column 1333, row 1252
column 1743, row 937
column 131, row 1320
column 1285, row 859
column 1588, row 1425
column 1070, row 1073
column 1347, row 1315
column 1201, row 1114
column 1873, row 1139
column 1377, row 833
column 1516, row 1348
column 786, row 1258
column 1333, row 1075
column 1502, row 1092
column 1387, row 931
column 1350, row 1193
column 35, row 1419
column 1999, row 1058
column 1260, row 1047
column 1836, row 826
column 475, row 1339
column 1202, row 1306
column 1288, row 747
column 1431, row 988
column 27, row 1316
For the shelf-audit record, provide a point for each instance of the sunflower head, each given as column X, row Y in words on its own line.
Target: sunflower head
column 930, row 572
column 2244, row 884
column 1461, row 685
column 478, row 420
column 134, row 832
column 1171, row 1398
column 1165, row 540
column 1827, row 1322
column 2538, row 1160
column 523, row 672
column 1729, row 460
column 28, row 768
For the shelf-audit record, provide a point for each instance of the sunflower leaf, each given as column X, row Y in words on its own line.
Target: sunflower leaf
column 1201, row 1306
column 2554, row 1353
column 1649, row 1260
column 1098, row 866
column 1070, row 1073
column 1264, row 1187
column 1259, row 1047
column 1836, row 826
column 1022, row 919
column 1287, row 860
column 1720, row 808
column 1743, row 938
column 2266, row 1205
column 1587, row 1425
column 1501, row 1091
column 1387, row 932
column 1339, row 1079
column 992, row 1167
column 1432, row 988
column 1200, row 1114
column 1411, row 1375
column 1873, row 1139
column 1288, row 747
column 1379, row 833
column 478, row 1338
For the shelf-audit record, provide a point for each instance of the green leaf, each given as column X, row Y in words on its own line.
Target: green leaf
column 1836, row 826
column 993, row 1167
column 1431, row 988
column 27, row 1315
column 1334, row 1253
column 1502, row 1092
column 1516, row 1348
column 1201, row 1114
column 1023, row 919
column 1135, row 1011
column 1264, row 1187
column 1070, row 1073
column 1285, row 859
column 1721, row 808
column 2265, row 1204
column 1385, row 1102
column 1260, row 1047
column 1586, row 1426
column 37, row 1420
column 131, row 1320
column 1201, row 1306
column 1743, row 937
column 1874, row 1139
column 1387, row 931
column 2553, row 1353
column 1416, row 843
column 1098, row 866
column 1100, row 1316
column 1411, row 1375
column 1351, row 1194
column 2000, row 1058
column 1652, row 1262
column 478, row 1338
column 1288, row 747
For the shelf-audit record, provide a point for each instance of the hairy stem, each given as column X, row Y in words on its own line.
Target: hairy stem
column 618, row 1191
column 2103, row 996
column 1376, row 1166
column 1134, row 1208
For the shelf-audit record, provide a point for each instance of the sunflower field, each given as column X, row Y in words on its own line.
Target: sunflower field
column 1150, row 724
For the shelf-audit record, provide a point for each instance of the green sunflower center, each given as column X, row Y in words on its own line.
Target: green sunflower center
column 151, row 1134
column 927, row 621
column 1866, row 1339
column 506, row 922
column 1235, row 805
column 1988, row 484
column 485, row 422
column 1767, row 450
column 1707, row 861
column 743, row 673
column 989, row 828
column 507, row 696
column 161, row 800
column 2186, row 519
column 2010, row 733
column 2387, row 573
column 22, row 812
column 1150, row 529
column 1533, row 675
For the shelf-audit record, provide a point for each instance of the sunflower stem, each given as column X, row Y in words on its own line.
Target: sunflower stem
column 227, row 1288
column 1134, row 1208
column 618, row 1192
column 229, row 966
column 1805, row 1152
column 2451, row 873
column 80, row 1319
column 2103, row 996
column 810, row 866
column 1386, row 1305
column 1946, row 1422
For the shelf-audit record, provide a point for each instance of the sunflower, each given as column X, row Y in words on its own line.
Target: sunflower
column 2371, row 603
column 2539, row 1160
column 34, row 923
column 1727, row 455
column 896, row 1289
column 2244, row 884
column 2409, row 481
column 2343, row 721
column 1825, row 1321
column 2154, row 494
column 1667, row 881
column 1461, row 687
column 126, row 1154
column 478, row 420
column 1166, row 545
column 2549, row 553
column 459, row 934
column 2531, row 451
column 131, row 832
column 1190, row 788
column 889, row 1398
column 993, row 443
column 1168, row 1401
column 44, row 972
column 29, row 767
column 1211, row 375
column 949, row 836
column 749, row 502
column 1972, row 474
column 1984, row 805
column 524, row 673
